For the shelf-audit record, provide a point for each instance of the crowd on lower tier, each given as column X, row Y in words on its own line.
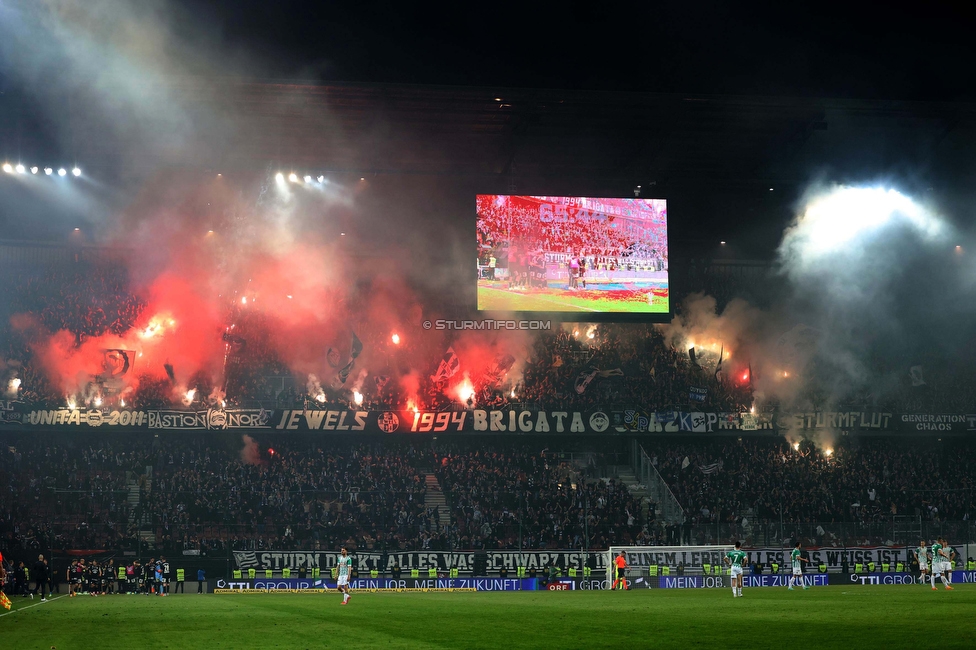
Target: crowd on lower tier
column 217, row 493
column 746, row 483
column 191, row 492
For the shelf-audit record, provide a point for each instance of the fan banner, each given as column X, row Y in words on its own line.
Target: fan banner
column 15, row 414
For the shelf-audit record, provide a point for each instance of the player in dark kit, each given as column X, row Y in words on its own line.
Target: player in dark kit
column 75, row 578
column 94, row 578
column 40, row 575
column 147, row 576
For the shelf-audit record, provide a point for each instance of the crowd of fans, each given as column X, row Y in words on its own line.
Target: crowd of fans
column 753, row 481
column 509, row 498
column 610, row 243
column 198, row 493
column 637, row 366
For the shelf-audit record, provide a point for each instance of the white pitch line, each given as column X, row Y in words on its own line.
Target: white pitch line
column 20, row 609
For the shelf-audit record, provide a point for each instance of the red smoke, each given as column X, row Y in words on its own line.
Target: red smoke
column 208, row 264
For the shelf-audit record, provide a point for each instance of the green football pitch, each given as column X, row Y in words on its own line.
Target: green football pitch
column 859, row 616
column 493, row 296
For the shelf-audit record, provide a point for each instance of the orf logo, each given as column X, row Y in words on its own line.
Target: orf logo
column 599, row 422
column 388, row 421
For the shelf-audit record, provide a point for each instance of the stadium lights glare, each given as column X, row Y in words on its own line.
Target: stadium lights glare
column 293, row 177
column 20, row 169
column 7, row 167
column 62, row 172
column 722, row 243
column 280, row 178
column 33, row 170
column 48, row 171
column 843, row 215
column 321, row 179
column 308, row 179
column 76, row 171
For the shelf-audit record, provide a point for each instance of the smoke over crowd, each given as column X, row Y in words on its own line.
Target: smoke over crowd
column 229, row 277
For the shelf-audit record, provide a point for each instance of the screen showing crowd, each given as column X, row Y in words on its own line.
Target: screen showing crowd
column 572, row 254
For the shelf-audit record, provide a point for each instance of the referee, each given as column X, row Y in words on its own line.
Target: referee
column 620, row 564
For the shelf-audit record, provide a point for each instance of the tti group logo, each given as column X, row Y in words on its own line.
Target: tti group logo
column 884, row 579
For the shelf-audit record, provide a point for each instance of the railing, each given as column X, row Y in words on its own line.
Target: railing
column 647, row 474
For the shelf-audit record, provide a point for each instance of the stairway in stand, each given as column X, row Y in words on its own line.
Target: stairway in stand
column 626, row 476
column 435, row 499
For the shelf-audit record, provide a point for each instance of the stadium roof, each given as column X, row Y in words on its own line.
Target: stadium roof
column 626, row 137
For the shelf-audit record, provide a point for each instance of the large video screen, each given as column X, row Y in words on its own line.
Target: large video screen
column 572, row 254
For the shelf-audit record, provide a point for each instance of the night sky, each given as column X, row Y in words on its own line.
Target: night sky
column 853, row 50
column 846, row 51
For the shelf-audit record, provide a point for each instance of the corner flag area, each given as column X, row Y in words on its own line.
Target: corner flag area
column 856, row 616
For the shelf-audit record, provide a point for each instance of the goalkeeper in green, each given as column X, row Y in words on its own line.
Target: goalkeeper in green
column 735, row 560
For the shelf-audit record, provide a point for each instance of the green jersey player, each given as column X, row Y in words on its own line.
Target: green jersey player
column 796, row 558
column 937, row 565
column 922, row 555
column 344, row 566
column 735, row 559
column 946, row 556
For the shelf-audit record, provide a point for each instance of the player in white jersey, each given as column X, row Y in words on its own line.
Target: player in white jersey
column 922, row 555
column 938, row 565
column 344, row 571
column 796, row 558
column 948, row 557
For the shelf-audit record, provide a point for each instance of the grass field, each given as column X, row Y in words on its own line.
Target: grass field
column 495, row 296
column 827, row 617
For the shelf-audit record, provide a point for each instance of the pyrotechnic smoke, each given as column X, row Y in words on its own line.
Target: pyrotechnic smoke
column 853, row 314
column 250, row 454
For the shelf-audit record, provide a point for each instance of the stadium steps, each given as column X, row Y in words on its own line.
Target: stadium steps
column 133, row 500
column 626, row 476
column 435, row 498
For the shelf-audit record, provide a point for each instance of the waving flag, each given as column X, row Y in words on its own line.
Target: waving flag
column 448, row 366
column 332, row 356
column 711, row 468
column 584, row 380
column 357, row 346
